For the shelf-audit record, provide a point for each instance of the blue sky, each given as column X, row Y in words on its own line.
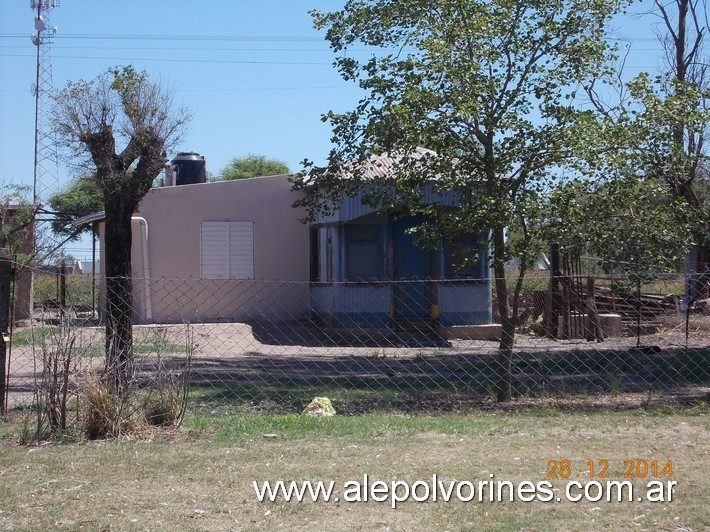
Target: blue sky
column 254, row 73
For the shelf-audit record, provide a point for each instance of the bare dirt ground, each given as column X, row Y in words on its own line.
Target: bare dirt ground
column 225, row 352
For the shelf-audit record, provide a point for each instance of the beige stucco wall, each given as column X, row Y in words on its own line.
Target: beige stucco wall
column 177, row 294
column 174, row 215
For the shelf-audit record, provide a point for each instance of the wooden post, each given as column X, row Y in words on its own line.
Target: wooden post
column 94, row 231
column 594, row 325
column 5, row 295
column 638, row 311
column 555, row 296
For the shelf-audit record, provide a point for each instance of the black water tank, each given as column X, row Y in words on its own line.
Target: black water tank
column 190, row 167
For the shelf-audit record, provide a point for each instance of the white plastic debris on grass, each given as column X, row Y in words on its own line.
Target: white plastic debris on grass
column 320, row 406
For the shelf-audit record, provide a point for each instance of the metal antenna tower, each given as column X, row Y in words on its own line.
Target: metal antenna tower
column 45, row 168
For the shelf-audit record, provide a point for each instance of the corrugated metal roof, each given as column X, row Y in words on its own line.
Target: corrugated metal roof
column 378, row 167
column 383, row 165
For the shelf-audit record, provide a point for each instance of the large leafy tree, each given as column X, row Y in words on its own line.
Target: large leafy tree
column 488, row 86
column 252, row 166
column 120, row 125
column 686, row 84
column 658, row 125
column 627, row 221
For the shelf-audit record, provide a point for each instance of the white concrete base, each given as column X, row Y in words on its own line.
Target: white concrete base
column 611, row 325
column 490, row 332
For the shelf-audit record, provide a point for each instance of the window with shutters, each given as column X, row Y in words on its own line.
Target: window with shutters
column 227, row 250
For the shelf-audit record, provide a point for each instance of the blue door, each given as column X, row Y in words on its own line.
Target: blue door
column 412, row 268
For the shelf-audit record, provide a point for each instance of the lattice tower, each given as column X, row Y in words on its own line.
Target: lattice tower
column 45, row 163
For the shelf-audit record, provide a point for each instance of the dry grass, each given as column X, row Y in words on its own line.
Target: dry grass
column 161, row 407
column 102, row 411
column 202, row 480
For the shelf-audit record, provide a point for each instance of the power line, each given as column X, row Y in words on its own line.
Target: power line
column 187, row 49
column 161, row 37
column 223, row 49
column 182, row 60
column 235, row 89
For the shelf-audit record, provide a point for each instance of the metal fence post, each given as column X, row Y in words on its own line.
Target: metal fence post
column 5, row 293
column 62, row 289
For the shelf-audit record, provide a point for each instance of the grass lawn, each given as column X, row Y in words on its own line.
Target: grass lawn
column 200, row 477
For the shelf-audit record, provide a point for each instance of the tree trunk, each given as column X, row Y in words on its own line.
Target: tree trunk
column 507, row 338
column 119, row 293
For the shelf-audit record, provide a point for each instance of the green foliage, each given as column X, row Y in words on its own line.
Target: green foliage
column 664, row 107
column 79, row 288
column 486, row 85
column 161, row 406
column 631, row 223
column 17, row 217
column 34, row 336
column 81, row 197
column 489, row 87
column 252, row 166
column 648, row 151
column 657, row 126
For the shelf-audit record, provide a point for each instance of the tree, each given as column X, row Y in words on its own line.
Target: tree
column 20, row 238
column 487, row 85
column 120, row 124
column 81, row 197
column 662, row 121
column 252, row 166
column 17, row 221
column 659, row 124
column 688, row 69
column 675, row 104
column 627, row 221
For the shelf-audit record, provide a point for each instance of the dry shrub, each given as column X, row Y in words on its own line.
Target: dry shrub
column 103, row 410
column 161, row 407
column 161, row 403
column 164, row 402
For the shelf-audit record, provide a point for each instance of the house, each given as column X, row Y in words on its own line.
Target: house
column 367, row 269
column 216, row 251
column 371, row 272
column 238, row 251
column 82, row 267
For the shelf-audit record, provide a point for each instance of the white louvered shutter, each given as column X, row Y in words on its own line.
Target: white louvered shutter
column 241, row 250
column 227, row 250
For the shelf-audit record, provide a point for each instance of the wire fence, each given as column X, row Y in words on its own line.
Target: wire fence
column 415, row 346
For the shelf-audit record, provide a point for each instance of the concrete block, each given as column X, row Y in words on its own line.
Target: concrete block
column 611, row 325
column 490, row 332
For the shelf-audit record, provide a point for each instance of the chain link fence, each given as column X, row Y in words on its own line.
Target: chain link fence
column 415, row 346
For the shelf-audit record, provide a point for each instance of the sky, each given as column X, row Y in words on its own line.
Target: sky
column 255, row 74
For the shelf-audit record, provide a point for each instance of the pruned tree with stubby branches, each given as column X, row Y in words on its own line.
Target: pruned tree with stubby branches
column 118, row 126
column 489, row 87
